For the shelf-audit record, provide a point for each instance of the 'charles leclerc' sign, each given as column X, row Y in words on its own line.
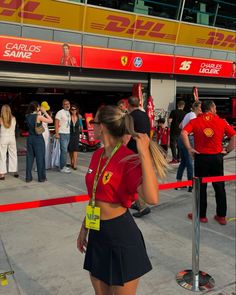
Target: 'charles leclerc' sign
column 39, row 52
column 204, row 67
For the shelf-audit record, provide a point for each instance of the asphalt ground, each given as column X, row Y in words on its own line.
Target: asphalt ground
column 40, row 244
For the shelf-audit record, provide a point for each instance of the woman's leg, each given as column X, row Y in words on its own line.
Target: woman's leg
column 3, row 159
column 39, row 148
column 29, row 158
column 128, row 288
column 75, row 157
column 12, row 151
column 71, row 159
column 101, row 288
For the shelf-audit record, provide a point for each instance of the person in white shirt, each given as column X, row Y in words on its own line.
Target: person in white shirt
column 62, row 132
column 7, row 142
column 186, row 160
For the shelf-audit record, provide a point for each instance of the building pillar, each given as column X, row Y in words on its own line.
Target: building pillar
column 163, row 92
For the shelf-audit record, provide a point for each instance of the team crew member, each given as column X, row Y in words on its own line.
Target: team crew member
column 208, row 131
column 115, row 252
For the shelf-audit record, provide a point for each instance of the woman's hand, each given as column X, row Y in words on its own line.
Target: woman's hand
column 82, row 239
column 142, row 142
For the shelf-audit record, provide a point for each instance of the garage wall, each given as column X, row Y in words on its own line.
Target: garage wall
column 163, row 92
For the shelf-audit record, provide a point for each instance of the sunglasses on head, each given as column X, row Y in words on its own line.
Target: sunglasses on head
column 73, row 109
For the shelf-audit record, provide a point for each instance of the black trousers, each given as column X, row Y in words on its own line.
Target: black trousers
column 173, row 145
column 211, row 165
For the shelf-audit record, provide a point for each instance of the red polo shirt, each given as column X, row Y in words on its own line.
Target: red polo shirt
column 209, row 130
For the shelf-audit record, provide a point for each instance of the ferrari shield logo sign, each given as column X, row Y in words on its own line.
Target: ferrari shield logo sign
column 106, row 177
column 124, row 60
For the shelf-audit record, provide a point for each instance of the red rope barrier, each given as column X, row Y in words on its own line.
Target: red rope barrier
column 82, row 198
column 43, row 203
column 219, row 178
column 164, row 186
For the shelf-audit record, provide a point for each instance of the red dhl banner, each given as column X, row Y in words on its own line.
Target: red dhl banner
column 110, row 59
column 39, row 52
column 204, row 67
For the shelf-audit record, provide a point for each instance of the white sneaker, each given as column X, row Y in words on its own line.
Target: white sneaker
column 65, row 170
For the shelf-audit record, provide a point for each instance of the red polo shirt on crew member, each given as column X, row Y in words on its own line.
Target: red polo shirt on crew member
column 209, row 130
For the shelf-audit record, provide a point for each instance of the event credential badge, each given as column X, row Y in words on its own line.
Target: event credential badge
column 92, row 220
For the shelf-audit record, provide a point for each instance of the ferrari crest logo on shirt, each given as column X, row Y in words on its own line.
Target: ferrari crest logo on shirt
column 208, row 132
column 208, row 118
column 106, row 177
column 124, row 60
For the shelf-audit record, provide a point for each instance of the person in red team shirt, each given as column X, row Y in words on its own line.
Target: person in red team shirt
column 115, row 254
column 208, row 131
column 163, row 134
column 67, row 59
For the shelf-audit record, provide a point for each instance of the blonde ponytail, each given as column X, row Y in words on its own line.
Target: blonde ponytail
column 119, row 124
column 159, row 160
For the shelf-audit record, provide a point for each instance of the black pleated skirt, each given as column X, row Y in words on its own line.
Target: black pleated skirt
column 117, row 254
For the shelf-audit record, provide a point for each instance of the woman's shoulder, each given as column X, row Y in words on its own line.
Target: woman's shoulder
column 126, row 156
column 97, row 153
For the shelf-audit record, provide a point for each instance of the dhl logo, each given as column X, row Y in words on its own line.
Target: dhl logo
column 221, row 39
column 121, row 24
column 154, row 29
column 26, row 10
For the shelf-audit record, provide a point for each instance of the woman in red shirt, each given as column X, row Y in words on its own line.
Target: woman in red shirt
column 115, row 251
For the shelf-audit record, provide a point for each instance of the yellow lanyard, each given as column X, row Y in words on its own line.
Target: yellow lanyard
column 98, row 175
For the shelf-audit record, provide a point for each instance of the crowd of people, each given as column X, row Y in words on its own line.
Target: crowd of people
column 68, row 126
column 122, row 174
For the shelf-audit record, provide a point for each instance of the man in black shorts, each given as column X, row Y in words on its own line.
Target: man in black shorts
column 141, row 125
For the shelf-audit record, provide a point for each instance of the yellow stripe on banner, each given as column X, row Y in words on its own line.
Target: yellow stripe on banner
column 102, row 21
column 46, row 13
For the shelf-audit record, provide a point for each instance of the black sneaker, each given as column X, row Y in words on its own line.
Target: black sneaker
column 190, row 189
column 134, row 206
column 143, row 212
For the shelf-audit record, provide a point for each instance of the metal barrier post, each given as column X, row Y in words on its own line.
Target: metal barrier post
column 194, row 279
column 196, row 233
